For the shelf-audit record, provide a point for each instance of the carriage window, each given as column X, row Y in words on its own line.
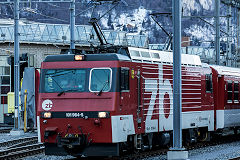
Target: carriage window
column 229, row 91
column 100, row 79
column 209, row 83
column 124, row 80
column 236, row 91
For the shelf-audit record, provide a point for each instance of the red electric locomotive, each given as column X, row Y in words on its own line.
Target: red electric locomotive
column 122, row 99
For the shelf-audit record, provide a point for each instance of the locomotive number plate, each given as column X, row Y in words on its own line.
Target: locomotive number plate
column 74, row 115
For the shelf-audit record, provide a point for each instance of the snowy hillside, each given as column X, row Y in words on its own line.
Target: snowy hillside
column 132, row 18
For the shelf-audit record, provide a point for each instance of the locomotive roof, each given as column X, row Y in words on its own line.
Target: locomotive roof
column 88, row 57
column 223, row 70
column 129, row 54
column 154, row 56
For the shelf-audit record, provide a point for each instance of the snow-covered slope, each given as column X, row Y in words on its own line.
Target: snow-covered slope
column 132, row 18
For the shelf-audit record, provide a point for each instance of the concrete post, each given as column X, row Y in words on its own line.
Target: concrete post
column 177, row 152
column 238, row 38
column 217, row 37
column 72, row 25
column 229, row 38
column 16, row 131
column 16, row 64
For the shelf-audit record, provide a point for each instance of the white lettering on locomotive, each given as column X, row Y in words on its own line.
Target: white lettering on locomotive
column 74, row 115
column 162, row 89
column 47, row 105
column 151, row 124
column 165, row 102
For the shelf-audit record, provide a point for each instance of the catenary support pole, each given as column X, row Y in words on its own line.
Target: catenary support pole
column 177, row 152
column 229, row 38
column 238, row 37
column 16, row 64
column 217, row 26
column 72, row 25
column 177, row 102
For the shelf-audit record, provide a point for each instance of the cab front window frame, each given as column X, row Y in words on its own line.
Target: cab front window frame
column 102, row 86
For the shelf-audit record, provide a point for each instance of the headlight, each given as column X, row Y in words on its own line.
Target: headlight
column 79, row 57
column 102, row 114
column 47, row 115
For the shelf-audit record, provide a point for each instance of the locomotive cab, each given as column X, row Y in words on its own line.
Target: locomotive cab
column 78, row 99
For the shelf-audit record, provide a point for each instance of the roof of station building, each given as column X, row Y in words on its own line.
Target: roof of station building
column 32, row 32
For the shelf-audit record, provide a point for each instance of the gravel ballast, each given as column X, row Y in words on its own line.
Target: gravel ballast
column 217, row 152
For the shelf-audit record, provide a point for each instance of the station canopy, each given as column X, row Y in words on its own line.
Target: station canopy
column 60, row 34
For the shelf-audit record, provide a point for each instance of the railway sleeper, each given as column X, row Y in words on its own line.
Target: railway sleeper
column 12, row 142
column 12, row 150
column 24, row 143
column 20, row 154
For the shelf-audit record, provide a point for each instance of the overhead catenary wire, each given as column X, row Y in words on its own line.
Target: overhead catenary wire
column 85, row 10
column 35, row 12
column 53, row 5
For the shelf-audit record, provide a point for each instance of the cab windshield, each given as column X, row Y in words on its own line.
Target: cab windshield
column 100, row 79
column 65, row 80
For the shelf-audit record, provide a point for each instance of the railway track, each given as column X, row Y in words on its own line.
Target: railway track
column 5, row 125
column 163, row 151
column 5, row 130
column 19, row 148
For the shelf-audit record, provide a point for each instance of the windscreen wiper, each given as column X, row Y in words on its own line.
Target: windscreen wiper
column 104, row 85
column 64, row 91
column 59, row 94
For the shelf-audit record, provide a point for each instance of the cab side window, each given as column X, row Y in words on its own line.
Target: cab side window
column 124, row 79
column 229, row 91
column 209, row 83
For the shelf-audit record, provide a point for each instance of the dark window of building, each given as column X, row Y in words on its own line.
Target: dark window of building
column 124, row 80
column 5, row 89
column 3, row 99
column 209, row 83
column 7, row 70
column 229, row 91
column 5, row 80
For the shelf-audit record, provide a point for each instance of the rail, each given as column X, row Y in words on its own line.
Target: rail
column 19, row 148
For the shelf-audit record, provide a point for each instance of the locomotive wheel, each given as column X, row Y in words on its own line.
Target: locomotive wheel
column 203, row 136
column 235, row 131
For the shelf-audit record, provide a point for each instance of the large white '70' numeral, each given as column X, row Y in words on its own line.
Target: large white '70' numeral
column 151, row 125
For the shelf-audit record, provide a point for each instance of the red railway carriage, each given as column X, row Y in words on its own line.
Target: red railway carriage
column 102, row 104
column 226, row 97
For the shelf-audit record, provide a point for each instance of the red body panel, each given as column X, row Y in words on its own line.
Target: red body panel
column 225, row 110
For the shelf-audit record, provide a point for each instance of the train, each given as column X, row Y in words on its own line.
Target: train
column 109, row 101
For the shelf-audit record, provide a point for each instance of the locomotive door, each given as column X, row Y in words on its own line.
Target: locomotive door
column 219, row 100
column 125, row 95
column 140, row 109
column 131, row 102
